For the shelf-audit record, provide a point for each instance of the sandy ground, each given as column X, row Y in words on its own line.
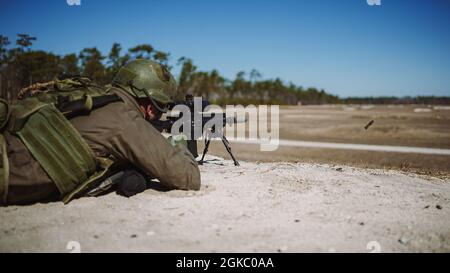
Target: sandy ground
column 257, row 207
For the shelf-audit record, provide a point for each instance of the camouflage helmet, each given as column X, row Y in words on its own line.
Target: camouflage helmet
column 147, row 79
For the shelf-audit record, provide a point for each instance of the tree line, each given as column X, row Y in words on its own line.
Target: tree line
column 21, row 66
column 428, row 100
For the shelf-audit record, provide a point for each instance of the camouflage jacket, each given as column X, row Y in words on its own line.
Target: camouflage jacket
column 117, row 130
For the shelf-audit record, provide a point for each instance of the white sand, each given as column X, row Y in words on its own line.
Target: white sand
column 266, row 207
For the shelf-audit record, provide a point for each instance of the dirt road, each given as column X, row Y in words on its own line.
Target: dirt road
column 345, row 146
column 258, row 207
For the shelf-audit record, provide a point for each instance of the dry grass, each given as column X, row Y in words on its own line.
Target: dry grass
column 394, row 125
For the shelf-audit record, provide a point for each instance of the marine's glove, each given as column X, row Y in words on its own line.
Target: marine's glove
column 178, row 140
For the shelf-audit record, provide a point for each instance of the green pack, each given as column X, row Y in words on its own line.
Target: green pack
column 72, row 96
column 40, row 119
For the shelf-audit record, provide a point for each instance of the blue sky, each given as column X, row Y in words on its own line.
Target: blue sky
column 344, row 46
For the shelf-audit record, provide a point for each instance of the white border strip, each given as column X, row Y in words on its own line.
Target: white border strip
column 342, row 146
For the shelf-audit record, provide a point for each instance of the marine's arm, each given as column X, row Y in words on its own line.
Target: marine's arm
column 144, row 147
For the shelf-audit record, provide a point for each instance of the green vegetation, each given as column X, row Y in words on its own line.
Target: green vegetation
column 20, row 66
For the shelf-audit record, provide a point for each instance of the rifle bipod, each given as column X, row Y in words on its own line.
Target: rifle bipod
column 225, row 143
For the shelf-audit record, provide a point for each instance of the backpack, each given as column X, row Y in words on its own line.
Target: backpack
column 40, row 118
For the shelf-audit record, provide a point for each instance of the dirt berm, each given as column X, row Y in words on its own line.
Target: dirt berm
column 257, row 207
